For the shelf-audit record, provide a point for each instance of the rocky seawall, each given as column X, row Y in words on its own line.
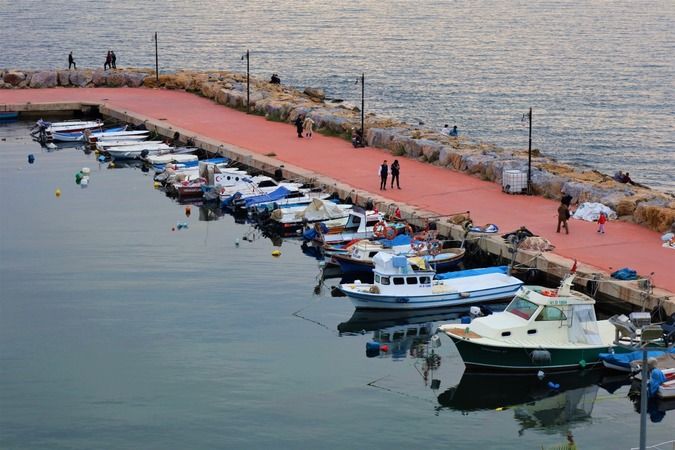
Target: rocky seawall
column 651, row 208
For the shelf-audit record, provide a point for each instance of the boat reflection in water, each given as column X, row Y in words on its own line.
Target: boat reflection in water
column 553, row 403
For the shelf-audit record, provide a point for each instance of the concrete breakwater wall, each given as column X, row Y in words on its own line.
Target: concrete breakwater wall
column 647, row 207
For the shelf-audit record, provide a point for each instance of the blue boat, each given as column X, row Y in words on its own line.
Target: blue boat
column 8, row 115
column 625, row 362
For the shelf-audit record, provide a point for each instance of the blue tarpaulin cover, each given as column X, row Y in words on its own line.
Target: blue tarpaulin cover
column 273, row 196
column 625, row 274
column 471, row 272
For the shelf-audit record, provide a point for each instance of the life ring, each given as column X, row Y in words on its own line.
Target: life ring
column 418, row 246
column 390, row 233
column 379, row 229
column 434, row 247
column 467, row 225
column 549, row 293
column 408, row 230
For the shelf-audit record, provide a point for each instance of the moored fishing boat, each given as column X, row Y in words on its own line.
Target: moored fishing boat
column 398, row 286
column 103, row 146
column 116, row 135
column 289, row 220
column 80, row 136
column 441, row 255
column 44, row 130
column 540, row 329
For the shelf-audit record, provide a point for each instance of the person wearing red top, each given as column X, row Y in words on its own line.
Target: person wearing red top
column 602, row 220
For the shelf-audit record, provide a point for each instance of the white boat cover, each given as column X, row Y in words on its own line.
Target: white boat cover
column 320, row 209
column 584, row 326
column 591, row 211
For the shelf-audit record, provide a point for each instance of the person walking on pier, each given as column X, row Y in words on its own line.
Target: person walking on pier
column 308, row 124
column 113, row 59
column 71, row 61
column 384, row 171
column 563, row 217
column 298, row 125
column 395, row 170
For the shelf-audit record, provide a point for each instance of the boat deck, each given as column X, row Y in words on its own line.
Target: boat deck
column 424, row 186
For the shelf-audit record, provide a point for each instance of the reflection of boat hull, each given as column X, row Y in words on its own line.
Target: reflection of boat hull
column 489, row 391
column 502, row 358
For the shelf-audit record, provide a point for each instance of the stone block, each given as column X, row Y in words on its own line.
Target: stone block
column 80, row 78
column 116, row 79
column 13, row 77
column 46, row 79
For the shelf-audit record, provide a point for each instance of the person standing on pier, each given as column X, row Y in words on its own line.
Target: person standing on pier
column 298, row 125
column 308, row 124
column 395, row 170
column 113, row 59
column 602, row 220
column 384, row 171
column 563, row 217
column 71, row 61
column 108, row 61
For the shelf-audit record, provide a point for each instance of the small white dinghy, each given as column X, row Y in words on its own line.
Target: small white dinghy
column 170, row 158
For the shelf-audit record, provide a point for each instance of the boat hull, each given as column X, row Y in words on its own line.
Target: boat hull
column 350, row 265
column 366, row 300
column 481, row 357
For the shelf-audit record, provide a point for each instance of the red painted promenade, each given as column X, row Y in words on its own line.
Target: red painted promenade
column 431, row 188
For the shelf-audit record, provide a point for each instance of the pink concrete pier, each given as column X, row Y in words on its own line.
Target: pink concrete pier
column 435, row 189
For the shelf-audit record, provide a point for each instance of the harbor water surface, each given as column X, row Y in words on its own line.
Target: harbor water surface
column 118, row 332
column 598, row 75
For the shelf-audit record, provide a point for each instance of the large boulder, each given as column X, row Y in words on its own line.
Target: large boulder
column 46, row 79
column 64, row 77
column 315, row 93
column 14, row 77
column 99, row 77
column 80, row 78
column 116, row 79
column 134, row 79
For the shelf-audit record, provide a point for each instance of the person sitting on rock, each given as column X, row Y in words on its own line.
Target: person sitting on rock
column 275, row 79
column 626, row 179
column 454, row 132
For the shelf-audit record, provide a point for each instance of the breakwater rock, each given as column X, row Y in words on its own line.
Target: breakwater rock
column 651, row 208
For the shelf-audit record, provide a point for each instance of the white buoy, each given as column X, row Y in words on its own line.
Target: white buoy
column 236, row 242
column 541, row 374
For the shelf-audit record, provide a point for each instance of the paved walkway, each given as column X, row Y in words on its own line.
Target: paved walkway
column 428, row 187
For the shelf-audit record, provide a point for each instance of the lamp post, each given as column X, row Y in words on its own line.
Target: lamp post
column 529, row 157
column 156, row 60
column 363, row 91
column 248, row 81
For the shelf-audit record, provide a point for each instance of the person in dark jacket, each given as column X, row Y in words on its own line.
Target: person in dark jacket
column 395, row 170
column 384, row 172
column 563, row 216
column 299, row 122
column 71, row 61
column 108, row 61
column 113, row 59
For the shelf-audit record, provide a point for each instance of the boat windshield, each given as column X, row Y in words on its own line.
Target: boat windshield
column 522, row 308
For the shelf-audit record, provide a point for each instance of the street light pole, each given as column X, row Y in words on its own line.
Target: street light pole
column 363, row 91
column 529, row 158
column 248, row 83
column 156, row 60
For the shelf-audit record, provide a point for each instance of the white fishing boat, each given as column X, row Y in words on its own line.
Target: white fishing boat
column 170, row 158
column 398, row 286
column 136, row 151
column 288, row 220
column 189, row 182
column 126, row 135
column 250, row 186
column 79, row 136
column 44, row 131
column 360, row 224
column 103, row 146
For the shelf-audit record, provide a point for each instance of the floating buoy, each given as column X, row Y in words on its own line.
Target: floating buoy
column 157, row 185
column 85, row 171
column 188, row 211
column 181, row 225
column 384, row 348
column 111, row 165
column 85, row 182
column 276, row 253
column 101, row 158
column 57, row 192
column 173, row 228
column 78, row 177
column 236, row 243
column 31, row 158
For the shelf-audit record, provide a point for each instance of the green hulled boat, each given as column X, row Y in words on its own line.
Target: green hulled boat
column 541, row 329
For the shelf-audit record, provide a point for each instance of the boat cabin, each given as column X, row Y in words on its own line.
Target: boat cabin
column 393, row 274
column 360, row 221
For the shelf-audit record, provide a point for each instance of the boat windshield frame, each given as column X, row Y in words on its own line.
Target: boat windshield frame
column 522, row 307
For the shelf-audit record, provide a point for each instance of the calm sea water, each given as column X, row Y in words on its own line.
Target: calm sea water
column 117, row 332
column 599, row 74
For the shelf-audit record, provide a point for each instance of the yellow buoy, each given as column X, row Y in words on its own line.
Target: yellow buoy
column 157, row 185
column 57, row 192
column 276, row 252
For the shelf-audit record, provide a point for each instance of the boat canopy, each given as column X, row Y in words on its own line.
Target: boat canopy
column 320, row 209
column 472, row 272
column 387, row 263
column 583, row 325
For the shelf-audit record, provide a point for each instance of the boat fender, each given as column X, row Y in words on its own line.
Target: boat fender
column 384, row 348
column 540, row 356
column 582, row 363
column 372, row 345
column 417, row 246
column 408, row 230
column 465, row 319
column 276, row 253
column 541, row 374
column 465, row 294
column 549, row 293
column 435, row 247
column 467, row 225
column 553, row 385
column 435, row 341
column 57, row 192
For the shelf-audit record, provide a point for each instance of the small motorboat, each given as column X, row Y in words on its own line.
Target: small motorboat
column 541, row 329
column 116, row 135
column 289, row 220
column 80, row 136
column 45, row 130
column 103, row 146
column 398, row 286
column 170, row 158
